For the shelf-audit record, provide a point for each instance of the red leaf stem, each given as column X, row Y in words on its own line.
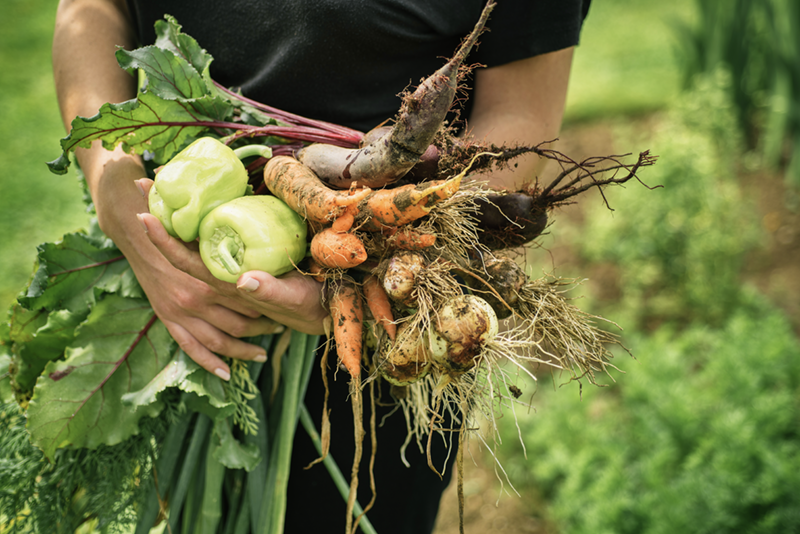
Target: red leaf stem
column 353, row 135
column 117, row 365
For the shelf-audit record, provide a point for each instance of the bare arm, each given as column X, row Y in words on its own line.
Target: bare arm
column 521, row 102
column 202, row 320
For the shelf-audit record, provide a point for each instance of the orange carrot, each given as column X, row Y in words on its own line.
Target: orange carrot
column 299, row 187
column 337, row 249
column 316, row 270
column 407, row 238
column 402, row 205
column 379, row 305
column 348, row 315
column 344, row 222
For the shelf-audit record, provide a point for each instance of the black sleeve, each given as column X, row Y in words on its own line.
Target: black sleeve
column 526, row 28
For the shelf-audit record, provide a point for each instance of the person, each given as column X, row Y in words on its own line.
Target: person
column 340, row 61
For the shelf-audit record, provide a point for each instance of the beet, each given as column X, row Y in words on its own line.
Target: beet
column 510, row 220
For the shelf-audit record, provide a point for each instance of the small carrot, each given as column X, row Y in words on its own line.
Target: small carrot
column 344, row 222
column 316, row 270
column 299, row 187
column 407, row 238
column 379, row 305
column 399, row 206
column 333, row 249
column 348, row 315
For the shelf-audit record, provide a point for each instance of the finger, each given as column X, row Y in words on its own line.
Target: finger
column 197, row 352
column 175, row 250
column 218, row 342
column 196, row 296
column 144, row 185
column 292, row 299
column 184, row 257
column 236, row 325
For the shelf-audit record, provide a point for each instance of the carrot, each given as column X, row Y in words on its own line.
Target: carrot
column 344, row 222
column 348, row 315
column 299, row 187
column 379, row 305
column 399, row 206
column 316, row 270
column 333, row 249
column 345, row 304
column 393, row 154
column 407, row 238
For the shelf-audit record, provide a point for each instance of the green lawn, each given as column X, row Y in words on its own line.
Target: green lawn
column 627, row 60
column 35, row 205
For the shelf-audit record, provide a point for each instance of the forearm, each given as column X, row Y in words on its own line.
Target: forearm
column 86, row 74
column 521, row 103
column 87, row 34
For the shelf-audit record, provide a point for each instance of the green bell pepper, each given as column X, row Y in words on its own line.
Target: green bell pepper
column 252, row 233
column 202, row 176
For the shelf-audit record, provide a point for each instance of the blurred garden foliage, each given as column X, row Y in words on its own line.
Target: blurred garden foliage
column 758, row 41
column 700, row 432
column 678, row 249
column 700, row 436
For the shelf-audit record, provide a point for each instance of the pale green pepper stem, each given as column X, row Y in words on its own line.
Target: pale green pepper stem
column 227, row 249
column 225, row 257
column 253, row 150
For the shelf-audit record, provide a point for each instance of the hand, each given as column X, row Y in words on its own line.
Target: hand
column 204, row 323
column 292, row 299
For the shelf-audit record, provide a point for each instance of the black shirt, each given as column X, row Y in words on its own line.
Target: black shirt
column 346, row 61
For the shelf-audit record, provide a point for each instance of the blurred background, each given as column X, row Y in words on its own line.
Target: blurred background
column 698, row 431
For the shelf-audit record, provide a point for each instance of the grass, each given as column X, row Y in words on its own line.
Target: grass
column 35, row 205
column 626, row 63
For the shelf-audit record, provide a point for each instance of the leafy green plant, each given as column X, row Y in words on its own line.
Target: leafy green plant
column 101, row 484
column 758, row 42
column 699, row 436
column 678, row 249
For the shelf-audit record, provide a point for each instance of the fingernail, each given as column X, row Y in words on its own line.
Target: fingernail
column 261, row 358
column 139, row 186
column 222, row 373
column 141, row 221
column 248, row 284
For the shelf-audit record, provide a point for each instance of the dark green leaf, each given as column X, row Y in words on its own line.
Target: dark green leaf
column 38, row 338
column 168, row 76
column 170, row 37
column 147, row 123
column 205, row 391
column 74, row 271
column 171, row 375
column 77, row 402
column 207, row 394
